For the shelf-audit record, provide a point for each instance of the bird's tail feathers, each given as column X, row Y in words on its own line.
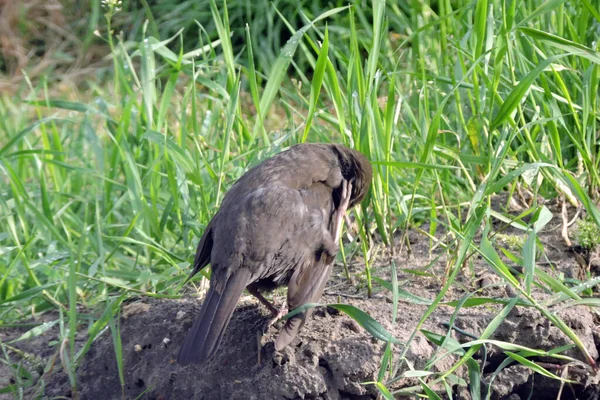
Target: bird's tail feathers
column 205, row 336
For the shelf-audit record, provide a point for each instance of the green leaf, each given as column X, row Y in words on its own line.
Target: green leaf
column 417, row 374
column 367, row 322
column 36, row 331
column 402, row 293
column 535, row 367
column 25, row 131
column 279, row 68
column 529, row 260
column 544, row 8
column 415, row 165
column 65, row 105
column 363, row 319
column 385, row 392
column 564, row 44
column 544, row 216
column 317, row 81
column 429, row 392
column 517, row 94
column 30, row 293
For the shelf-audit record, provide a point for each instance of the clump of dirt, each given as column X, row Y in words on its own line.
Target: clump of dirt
column 332, row 358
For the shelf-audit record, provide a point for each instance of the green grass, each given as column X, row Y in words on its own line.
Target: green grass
column 453, row 102
column 587, row 234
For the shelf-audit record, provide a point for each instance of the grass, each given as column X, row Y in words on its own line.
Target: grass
column 454, row 102
column 587, row 234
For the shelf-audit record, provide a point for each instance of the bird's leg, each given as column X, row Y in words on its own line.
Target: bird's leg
column 254, row 292
column 276, row 312
column 276, row 317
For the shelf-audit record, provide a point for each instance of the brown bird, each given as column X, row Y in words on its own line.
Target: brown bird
column 279, row 224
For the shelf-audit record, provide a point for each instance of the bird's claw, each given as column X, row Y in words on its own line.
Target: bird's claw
column 341, row 211
column 276, row 317
column 346, row 195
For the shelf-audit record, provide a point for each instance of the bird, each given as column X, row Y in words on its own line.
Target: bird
column 279, row 224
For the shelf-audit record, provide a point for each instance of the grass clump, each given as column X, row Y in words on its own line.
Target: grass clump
column 512, row 242
column 587, row 234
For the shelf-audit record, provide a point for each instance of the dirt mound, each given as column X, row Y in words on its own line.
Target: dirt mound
column 332, row 358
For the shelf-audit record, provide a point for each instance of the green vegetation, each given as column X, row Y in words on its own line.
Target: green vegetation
column 587, row 234
column 513, row 242
column 105, row 191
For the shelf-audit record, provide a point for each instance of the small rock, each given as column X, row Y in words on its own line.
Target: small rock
column 166, row 341
column 135, row 308
column 352, row 325
column 180, row 314
column 137, row 348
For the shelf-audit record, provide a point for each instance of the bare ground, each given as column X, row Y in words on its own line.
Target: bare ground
column 333, row 357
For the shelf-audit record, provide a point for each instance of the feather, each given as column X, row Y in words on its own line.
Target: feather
column 205, row 336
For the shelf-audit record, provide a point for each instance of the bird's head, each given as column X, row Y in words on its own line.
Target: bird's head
column 355, row 168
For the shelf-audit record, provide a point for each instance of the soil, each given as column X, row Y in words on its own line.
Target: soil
column 334, row 357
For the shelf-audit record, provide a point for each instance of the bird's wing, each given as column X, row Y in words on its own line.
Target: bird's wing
column 307, row 283
column 204, row 249
column 261, row 231
column 299, row 167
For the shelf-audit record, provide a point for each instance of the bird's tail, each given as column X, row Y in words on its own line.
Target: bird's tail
column 203, row 339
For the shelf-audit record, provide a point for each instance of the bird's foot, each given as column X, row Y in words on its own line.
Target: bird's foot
column 341, row 211
column 276, row 312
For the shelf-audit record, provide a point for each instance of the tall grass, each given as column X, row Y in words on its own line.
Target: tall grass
column 454, row 102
